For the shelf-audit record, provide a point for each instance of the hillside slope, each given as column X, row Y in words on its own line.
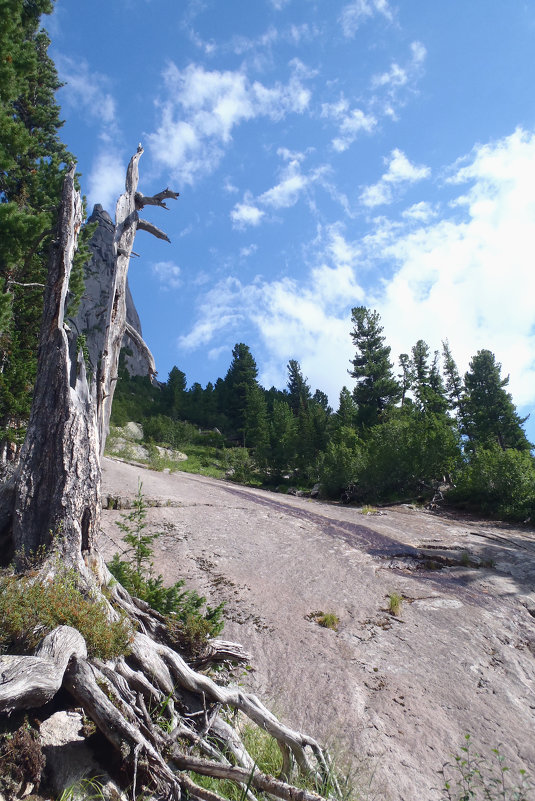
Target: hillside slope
column 397, row 694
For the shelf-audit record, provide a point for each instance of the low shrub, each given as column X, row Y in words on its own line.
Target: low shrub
column 498, row 482
column 189, row 625
column 472, row 776
column 30, row 608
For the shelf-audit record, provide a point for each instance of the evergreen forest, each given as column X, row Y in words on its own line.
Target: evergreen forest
column 415, row 432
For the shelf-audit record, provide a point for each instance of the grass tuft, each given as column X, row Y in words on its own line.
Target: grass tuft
column 395, row 602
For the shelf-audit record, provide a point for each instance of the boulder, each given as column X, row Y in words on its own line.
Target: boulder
column 70, row 763
column 91, row 315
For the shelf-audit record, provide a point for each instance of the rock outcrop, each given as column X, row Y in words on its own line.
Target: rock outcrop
column 92, row 312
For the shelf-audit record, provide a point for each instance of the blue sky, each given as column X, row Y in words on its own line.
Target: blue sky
column 328, row 154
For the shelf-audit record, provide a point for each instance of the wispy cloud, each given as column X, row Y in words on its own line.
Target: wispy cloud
column 397, row 76
column 87, row 93
column 201, row 109
column 359, row 11
column 400, row 171
column 246, row 213
column 167, row 273
column 292, row 184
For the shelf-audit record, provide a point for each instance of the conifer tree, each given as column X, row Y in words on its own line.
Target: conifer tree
column 32, row 165
column 240, row 378
column 491, row 415
column 377, row 390
column 299, row 394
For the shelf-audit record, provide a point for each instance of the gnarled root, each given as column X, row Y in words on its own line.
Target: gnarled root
column 154, row 709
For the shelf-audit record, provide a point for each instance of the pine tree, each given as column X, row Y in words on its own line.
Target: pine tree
column 240, row 378
column 299, row 394
column 427, row 382
column 32, row 165
column 256, row 432
column 283, row 437
column 174, row 394
column 346, row 414
column 491, row 416
column 377, row 390
column 405, row 376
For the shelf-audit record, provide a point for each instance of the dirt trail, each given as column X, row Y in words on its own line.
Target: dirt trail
column 395, row 694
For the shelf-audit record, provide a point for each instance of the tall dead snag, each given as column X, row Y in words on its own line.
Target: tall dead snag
column 58, row 489
column 58, row 486
column 57, row 509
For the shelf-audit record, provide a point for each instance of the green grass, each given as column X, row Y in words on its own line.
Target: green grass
column 395, row 603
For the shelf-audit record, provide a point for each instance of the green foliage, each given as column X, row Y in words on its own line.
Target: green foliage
column 30, row 608
column 377, row 390
column 189, row 626
column 341, row 464
column 32, row 166
column 490, row 414
column 240, row 466
column 498, row 482
column 472, row 777
column 327, row 620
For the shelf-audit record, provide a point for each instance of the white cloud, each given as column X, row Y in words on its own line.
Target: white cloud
column 250, row 250
column 400, row 171
column 106, row 180
column 87, row 93
column 350, row 127
column 303, row 320
column 421, row 212
column 292, row 185
column 246, row 213
column 357, row 12
column 398, row 76
column 471, row 281
column 202, row 108
column 168, row 274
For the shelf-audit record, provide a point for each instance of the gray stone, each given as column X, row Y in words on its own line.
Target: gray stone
column 69, row 760
column 91, row 316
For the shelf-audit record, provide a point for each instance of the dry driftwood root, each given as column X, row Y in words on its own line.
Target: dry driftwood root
column 118, row 694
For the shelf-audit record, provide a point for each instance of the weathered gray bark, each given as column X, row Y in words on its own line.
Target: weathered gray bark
column 58, row 487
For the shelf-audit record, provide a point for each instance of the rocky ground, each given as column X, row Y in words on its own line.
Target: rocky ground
column 395, row 695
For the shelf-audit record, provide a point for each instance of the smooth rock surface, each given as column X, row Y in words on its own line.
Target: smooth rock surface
column 395, row 694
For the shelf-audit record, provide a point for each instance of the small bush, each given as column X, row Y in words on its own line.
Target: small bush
column 29, row 609
column 328, row 620
column 189, row 625
column 21, row 759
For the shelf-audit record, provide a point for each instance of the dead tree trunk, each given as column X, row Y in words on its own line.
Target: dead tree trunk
column 57, row 509
column 58, row 489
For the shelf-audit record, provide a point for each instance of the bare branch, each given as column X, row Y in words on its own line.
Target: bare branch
column 155, row 200
column 142, row 345
column 150, row 228
column 18, row 283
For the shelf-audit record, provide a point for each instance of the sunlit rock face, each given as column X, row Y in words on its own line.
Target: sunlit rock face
column 91, row 317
